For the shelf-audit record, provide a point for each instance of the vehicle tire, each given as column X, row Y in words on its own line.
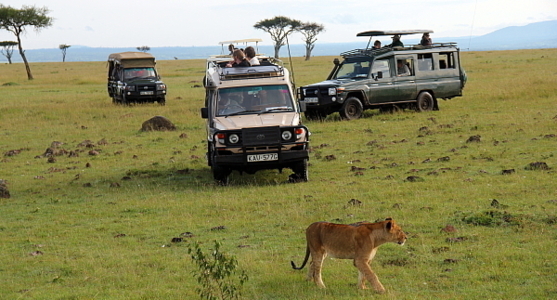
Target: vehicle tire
column 300, row 170
column 124, row 100
column 351, row 109
column 162, row 101
column 425, row 102
column 221, row 175
column 314, row 115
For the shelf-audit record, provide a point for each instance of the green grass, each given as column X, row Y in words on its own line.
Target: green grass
column 104, row 223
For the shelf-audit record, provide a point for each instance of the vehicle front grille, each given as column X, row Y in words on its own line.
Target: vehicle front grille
column 261, row 136
column 150, row 87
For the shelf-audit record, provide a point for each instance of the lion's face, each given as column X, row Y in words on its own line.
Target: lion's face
column 396, row 232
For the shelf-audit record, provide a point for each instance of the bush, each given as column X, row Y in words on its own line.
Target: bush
column 215, row 271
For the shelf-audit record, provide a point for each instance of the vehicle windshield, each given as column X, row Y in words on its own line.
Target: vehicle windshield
column 143, row 72
column 353, row 70
column 254, row 99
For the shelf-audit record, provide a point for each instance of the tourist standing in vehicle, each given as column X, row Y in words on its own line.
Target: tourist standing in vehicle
column 377, row 44
column 426, row 40
column 396, row 41
column 250, row 56
column 239, row 59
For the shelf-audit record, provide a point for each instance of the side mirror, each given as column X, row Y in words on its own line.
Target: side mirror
column 379, row 75
column 204, row 113
column 336, row 62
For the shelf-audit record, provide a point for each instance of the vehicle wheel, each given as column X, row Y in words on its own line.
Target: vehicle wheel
column 425, row 102
column 351, row 109
column 300, row 170
column 221, row 175
column 124, row 100
column 314, row 115
column 162, row 101
column 114, row 100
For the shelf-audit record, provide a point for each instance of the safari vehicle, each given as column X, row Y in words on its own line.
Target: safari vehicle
column 132, row 77
column 253, row 120
column 369, row 78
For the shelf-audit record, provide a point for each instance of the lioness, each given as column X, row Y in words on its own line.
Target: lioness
column 357, row 241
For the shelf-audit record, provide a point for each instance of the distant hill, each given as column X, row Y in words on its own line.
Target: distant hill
column 531, row 36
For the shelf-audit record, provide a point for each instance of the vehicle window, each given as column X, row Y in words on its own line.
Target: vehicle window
column 353, row 70
column 404, row 67
column 381, row 69
column 446, row 60
column 139, row 73
column 425, row 62
column 254, row 99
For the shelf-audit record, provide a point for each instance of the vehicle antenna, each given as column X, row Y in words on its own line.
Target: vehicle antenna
column 291, row 65
column 472, row 25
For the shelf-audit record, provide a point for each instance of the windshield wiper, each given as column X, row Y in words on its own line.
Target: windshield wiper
column 243, row 112
column 278, row 108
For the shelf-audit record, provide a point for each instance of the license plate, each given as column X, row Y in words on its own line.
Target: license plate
column 263, row 157
column 147, row 93
column 311, row 99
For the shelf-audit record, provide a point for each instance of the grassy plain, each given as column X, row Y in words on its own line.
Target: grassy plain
column 100, row 227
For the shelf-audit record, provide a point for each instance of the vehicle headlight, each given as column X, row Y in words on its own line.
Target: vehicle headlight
column 304, row 92
column 233, row 138
column 130, row 88
column 161, row 87
column 286, row 135
column 332, row 91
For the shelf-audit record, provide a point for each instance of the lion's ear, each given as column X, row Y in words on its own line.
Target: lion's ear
column 389, row 224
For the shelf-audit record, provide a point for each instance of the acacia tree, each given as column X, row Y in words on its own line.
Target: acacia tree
column 279, row 28
column 143, row 48
column 8, row 49
column 16, row 21
column 310, row 32
column 64, row 48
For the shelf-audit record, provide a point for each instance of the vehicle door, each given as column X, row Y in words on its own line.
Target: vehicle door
column 380, row 84
column 405, row 79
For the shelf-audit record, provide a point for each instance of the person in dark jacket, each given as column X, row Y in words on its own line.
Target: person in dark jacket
column 396, row 41
column 426, row 40
column 239, row 59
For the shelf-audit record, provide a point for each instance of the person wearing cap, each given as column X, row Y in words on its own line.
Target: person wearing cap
column 426, row 40
column 396, row 41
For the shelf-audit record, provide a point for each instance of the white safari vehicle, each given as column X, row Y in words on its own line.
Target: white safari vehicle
column 253, row 120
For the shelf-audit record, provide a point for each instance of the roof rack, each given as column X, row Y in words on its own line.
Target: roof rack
column 262, row 71
column 375, row 52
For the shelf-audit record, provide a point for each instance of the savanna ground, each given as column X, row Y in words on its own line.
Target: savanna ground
column 100, row 226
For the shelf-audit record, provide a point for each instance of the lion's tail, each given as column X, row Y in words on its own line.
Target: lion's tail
column 303, row 264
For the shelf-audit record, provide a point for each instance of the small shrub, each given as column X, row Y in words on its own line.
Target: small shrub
column 215, row 273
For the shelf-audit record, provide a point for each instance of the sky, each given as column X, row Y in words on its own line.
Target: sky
column 185, row 23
